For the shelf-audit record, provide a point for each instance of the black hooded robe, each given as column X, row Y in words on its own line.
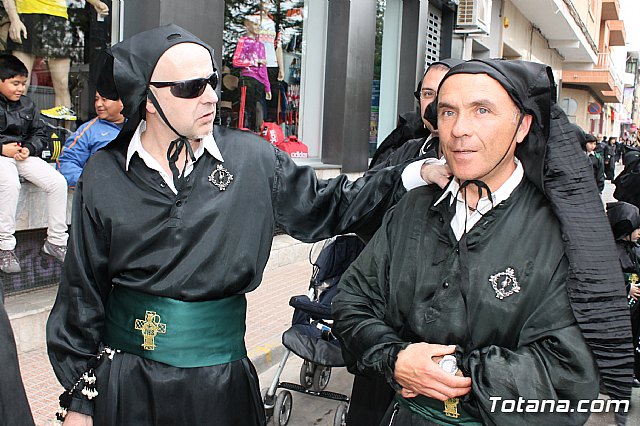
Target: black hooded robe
column 129, row 229
column 415, row 283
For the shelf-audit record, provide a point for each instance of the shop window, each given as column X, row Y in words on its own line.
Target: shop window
column 262, row 64
column 63, row 38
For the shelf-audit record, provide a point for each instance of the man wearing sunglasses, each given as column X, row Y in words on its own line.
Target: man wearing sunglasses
column 172, row 224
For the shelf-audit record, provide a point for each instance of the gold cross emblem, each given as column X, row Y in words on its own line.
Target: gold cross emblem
column 451, row 407
column 150, row 326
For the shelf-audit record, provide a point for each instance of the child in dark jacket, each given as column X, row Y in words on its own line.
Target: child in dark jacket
column 22, row 140
column 625, row 223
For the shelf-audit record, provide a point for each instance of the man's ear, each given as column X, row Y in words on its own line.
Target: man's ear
column 524, row 128
column 149, row 106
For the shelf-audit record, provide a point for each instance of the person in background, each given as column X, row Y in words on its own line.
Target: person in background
column 90, row 137
column 21, row 136
column 625, row 223
column 371, row 394
column 610, row 158
column 602, row 144
column 595, row 159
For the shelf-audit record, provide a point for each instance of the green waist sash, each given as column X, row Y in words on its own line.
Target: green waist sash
column 182, row 334
column 434, row 410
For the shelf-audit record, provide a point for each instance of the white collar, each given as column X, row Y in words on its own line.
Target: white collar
column 135, row 146
column 498, row 196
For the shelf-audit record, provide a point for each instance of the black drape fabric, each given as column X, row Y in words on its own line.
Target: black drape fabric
column 14, row 407
column 595, row 283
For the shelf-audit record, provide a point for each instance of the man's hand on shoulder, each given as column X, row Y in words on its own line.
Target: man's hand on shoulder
column 77, row 419
column 436, row 172
column 418, row 372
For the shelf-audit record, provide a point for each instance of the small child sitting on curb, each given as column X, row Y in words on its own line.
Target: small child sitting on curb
column 21, row 137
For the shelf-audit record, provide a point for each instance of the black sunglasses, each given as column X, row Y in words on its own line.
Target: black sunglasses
column 188, row 89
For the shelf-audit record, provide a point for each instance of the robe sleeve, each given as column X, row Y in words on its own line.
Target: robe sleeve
column 369, row 344
column 551, row 362
column 310, row 209
column 74, row 327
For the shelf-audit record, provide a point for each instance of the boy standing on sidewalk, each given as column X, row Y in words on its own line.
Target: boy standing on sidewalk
column 21, row 136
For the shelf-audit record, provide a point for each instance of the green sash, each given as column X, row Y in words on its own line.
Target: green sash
column 433, row 410
column 182, row 334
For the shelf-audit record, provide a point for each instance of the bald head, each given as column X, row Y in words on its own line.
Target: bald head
column 180, row 61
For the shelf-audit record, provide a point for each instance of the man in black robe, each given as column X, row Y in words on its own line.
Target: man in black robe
column 466, row 299
column 172, row 225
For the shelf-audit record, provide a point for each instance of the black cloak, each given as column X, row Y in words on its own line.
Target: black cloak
column 624, row 218
column 628, row 181
column 554, row 161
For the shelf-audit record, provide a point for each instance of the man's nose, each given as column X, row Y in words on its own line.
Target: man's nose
column 209, row 94
column 461, row 126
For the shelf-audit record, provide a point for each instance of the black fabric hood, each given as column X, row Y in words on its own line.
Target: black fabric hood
column 624, row 218
column 555, row 162
column 449, row 63
column 128, row 65
column 127, row 68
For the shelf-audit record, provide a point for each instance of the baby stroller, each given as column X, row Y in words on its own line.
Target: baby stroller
column 310, row 335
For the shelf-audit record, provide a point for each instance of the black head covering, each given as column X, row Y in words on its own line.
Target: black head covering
column 130, row 64
column 628, row 181
column 126, row 73
column 449, row 63
column 555, row 163
column 624, row 218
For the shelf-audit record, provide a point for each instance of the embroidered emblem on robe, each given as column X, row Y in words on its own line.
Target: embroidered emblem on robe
column 505, row 283
column 220, row 177
column 150, row 327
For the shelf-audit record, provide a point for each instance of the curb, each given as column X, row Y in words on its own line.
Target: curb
column 266, row 355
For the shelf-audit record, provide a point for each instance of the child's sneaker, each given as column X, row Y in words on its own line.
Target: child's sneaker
column 60, row 112
column 57, row 252
column 9, row 263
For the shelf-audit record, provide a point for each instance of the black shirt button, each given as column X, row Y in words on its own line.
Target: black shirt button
column 178, row 203
column 162, row 185
column 441, row 219
column 457, row 250
column 188, row 177
column 445, row 285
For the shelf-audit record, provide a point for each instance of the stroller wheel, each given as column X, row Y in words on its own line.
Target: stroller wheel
column 282, row 408
column 321, row 378
column 307, row 371
column 340, row 419
column 267, row 401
